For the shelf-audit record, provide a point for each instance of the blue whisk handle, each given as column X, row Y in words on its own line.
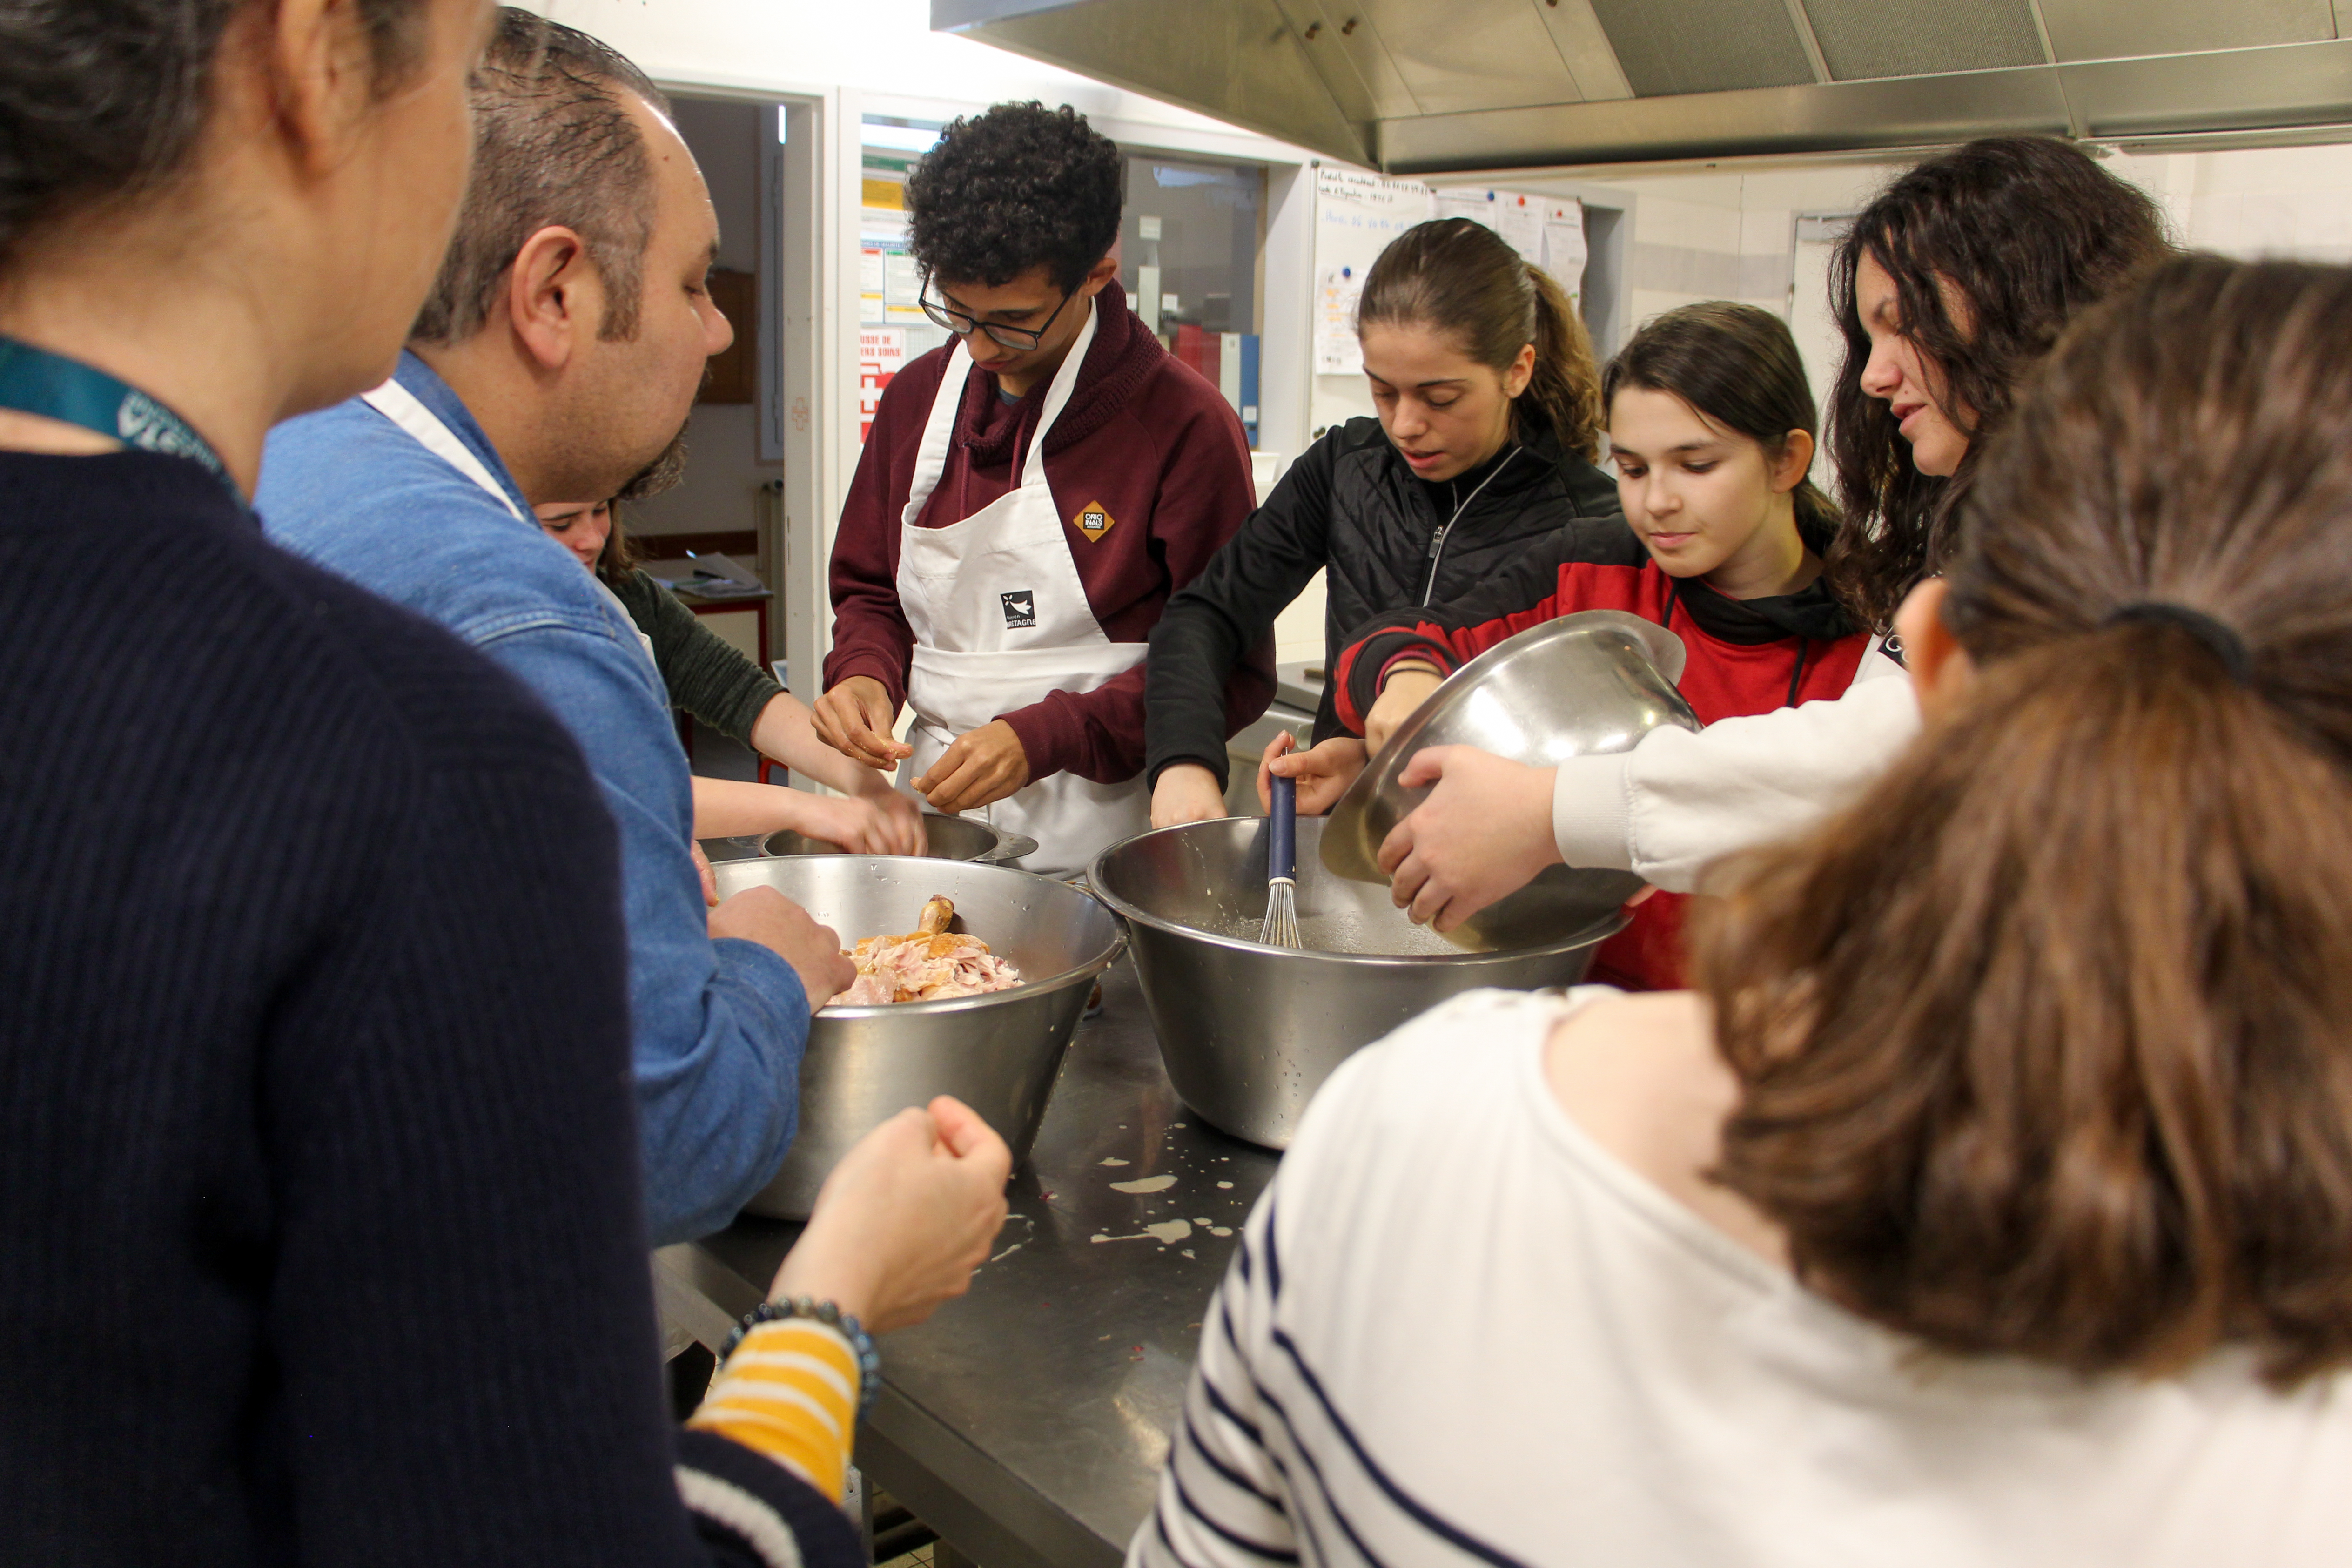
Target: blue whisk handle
column 1282, row 845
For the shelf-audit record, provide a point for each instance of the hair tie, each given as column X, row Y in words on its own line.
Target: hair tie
column 2223, row 641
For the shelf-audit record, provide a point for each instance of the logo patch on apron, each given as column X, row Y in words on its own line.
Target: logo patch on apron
column 1094, row 521
column 1020, row 608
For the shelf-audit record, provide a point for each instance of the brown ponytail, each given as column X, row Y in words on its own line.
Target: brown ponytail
column 2046, row 1044
column 1460, row 276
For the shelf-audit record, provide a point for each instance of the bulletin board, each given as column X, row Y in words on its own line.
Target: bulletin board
column 1356, row 216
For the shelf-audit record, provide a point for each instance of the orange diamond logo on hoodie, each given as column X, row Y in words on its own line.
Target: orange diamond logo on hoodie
column 1094, row 521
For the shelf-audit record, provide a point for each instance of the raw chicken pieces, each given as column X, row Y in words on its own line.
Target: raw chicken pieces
column 929, row 963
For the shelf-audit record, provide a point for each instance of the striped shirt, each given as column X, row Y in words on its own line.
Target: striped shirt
column 789, row 1391
column 1460, row 1331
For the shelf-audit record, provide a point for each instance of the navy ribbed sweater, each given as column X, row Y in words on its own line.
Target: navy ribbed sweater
column 319, row 1224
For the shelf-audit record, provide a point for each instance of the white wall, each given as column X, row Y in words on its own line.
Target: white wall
column 2282, row 201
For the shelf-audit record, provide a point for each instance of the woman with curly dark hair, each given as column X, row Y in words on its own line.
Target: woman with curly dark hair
column 1991, row 1202
column 1030, row 496
column 1948, row 287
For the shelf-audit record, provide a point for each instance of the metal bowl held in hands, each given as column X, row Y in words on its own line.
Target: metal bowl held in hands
column 949, row 838
column 1582, row 685
column 996, row 1053
column 1250, row 1032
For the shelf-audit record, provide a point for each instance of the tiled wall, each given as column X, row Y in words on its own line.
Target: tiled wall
column 2286, row 201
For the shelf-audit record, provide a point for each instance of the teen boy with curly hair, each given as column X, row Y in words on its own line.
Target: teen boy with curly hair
column 1029, row 496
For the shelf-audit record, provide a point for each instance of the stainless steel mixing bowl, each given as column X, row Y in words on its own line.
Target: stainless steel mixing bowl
column 996, row 1053
column 949, row 839
column 1249, row 1032
column 1585, row 684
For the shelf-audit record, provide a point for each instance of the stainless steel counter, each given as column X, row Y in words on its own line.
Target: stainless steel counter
column 1027, row 1422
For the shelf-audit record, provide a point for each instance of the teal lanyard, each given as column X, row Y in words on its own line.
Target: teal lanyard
column 34, row 381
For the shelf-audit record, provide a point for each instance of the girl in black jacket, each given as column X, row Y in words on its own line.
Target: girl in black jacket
column 1489, row 409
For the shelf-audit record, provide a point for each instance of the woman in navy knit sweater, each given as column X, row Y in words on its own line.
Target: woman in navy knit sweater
column 320, row 1230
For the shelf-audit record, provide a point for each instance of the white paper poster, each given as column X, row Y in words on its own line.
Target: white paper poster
column 1563, row 244
column 881, row 354
column 1356, row 216
column 871, row 283
column 1336, row 293
column 881, row 251
column 902, row 289
column 1519, row 219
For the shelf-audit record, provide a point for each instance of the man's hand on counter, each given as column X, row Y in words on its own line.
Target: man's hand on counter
column 903, row 1219
column 1187, row 791
column 765, row 916
column 982, row 766
column 855, row 719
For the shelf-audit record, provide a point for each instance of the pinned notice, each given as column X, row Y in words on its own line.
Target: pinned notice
column 881, row 354
column 1336, row 352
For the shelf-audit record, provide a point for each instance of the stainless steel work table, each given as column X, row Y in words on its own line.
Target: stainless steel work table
column 1026, row 1421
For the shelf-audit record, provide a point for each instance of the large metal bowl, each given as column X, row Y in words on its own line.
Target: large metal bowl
column 1250, row 1032
column 948, row 838
column 996, row 1053
column 1582, row 685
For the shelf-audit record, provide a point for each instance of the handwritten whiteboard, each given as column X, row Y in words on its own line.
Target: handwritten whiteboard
column 1356, row 216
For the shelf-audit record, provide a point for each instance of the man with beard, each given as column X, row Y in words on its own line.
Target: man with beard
column 557, row 356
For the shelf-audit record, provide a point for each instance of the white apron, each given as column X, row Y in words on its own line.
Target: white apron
column 402, row 407
column 1001, row 620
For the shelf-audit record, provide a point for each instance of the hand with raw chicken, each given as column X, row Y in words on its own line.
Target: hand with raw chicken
column 854, row 718
column 765, row 916
column 979, row 768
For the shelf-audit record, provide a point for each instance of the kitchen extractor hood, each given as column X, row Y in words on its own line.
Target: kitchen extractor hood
column 1431, row 87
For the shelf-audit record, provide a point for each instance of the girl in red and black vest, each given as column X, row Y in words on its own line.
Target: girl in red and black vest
column 1712, row 429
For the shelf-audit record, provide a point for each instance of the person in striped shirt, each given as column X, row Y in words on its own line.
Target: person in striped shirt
column 1992, row 1201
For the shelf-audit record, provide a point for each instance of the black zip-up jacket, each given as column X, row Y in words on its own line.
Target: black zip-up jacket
column 1351, row 506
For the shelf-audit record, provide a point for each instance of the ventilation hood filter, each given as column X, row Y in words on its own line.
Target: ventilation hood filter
column 1704, row 45
column 1436, row 87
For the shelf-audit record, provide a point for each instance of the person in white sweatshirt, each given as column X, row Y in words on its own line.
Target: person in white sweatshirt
column 1990, row 1206
column 1951, row 284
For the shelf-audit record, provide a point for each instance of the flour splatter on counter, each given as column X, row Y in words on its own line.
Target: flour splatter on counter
column 1167, row 1233
column 1144, row 1184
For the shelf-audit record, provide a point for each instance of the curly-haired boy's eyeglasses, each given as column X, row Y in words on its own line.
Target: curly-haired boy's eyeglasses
column 1019, row 338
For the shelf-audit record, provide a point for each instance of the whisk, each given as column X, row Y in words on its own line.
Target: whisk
column 1281, row 927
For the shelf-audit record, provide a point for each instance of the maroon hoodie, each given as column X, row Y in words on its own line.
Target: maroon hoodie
column 1145, row 438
